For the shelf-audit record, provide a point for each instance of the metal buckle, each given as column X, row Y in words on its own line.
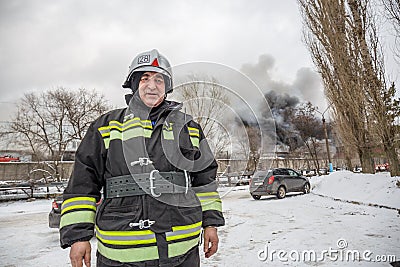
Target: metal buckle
column 152, row 187
column 142, row 162
column 187, row 181
column 142, row 224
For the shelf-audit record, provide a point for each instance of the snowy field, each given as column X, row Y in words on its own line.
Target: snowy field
column 332, row 226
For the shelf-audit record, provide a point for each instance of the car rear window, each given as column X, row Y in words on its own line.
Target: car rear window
column 259, row 175
column 281, row 172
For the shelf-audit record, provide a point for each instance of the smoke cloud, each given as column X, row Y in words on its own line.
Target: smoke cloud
column 307, row 85
column 281, row 108
column 283, row 97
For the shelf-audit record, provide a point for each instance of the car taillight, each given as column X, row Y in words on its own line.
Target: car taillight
column 271, row 179
column 55, row 205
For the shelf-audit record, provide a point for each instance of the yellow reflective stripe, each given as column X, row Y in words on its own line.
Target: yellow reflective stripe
column 125, row 242
column 84, row 216
column 105, row 134
column 195, row 141
column 126, row 135
column 116, row 125
column 180, row 248
column 182, row 236
column 194, row 129
column 183, row 231
column 106, row 143
column 129, row 134
column 206, row 194
column 209, row 200
column 78, row 203
column 103, row 130
column 135, row 119
column 128, row 254
column 92, row 199
column 126, row 125
column 186, row 227
column 125, row 233
column 136, row 132
column 212, row 205
column 168, row 126
column 168, row 135
column 126, row 237
column 78, row 207
column 141, row 125
column 194, row 134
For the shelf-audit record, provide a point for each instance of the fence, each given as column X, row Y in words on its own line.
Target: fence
column 25, row 171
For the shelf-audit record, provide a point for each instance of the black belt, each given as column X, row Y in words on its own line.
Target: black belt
column 154, row 183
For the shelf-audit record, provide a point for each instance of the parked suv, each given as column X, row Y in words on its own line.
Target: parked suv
column 278, row 182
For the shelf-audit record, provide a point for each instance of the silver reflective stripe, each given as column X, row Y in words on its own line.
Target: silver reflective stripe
column 135, row 121
column 104, row 131
column 75, row 203
column 183, row 232
column 208, row 197
column 126, row 238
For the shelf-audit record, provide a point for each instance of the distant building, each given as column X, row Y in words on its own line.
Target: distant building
column 24, row 156
column 69, row 154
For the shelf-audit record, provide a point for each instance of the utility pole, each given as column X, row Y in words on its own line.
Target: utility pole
column 326, row 138
column 327, row 145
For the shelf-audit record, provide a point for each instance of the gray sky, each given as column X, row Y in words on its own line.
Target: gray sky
column 90, row 44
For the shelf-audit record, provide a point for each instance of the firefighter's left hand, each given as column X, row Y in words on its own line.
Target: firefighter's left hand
column 210, row 241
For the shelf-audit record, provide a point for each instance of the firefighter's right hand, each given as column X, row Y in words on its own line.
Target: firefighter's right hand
column 80, row 251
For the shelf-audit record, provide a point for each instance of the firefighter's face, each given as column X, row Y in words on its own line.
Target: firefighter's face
column 152, row 88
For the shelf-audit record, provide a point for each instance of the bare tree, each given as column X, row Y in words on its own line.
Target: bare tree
column 383, row 106
column 309, row 129
column 207, row 102
column 85, row 106
column 341, row 36
column 392, row 8
column 49, row 121
column 254, row 144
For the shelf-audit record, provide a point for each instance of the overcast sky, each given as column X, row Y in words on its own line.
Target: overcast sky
column 90, row 44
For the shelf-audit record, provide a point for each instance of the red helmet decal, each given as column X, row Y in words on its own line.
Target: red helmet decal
column 155, row 63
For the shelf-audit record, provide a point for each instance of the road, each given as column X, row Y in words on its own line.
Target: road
column 299, row 223
column 254, row 229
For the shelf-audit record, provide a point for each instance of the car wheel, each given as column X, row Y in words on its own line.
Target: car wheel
column 281, row 192
column 256, row 197
column 306, row 188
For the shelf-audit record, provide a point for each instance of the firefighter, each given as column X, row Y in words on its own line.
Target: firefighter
column 151, row 167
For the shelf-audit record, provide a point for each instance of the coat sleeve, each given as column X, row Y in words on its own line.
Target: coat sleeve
column 203, row 178
column 84, row 190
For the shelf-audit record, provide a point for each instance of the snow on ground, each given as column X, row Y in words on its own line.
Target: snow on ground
column 377, row 188
column 254, row 229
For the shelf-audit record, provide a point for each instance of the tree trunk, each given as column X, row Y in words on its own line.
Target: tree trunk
column 348, row 161
column 393, row 160
column 367, row 162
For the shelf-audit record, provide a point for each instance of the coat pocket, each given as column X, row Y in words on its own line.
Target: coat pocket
column 117, row 216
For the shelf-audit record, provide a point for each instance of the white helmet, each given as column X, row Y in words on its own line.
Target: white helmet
column 150, row 61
